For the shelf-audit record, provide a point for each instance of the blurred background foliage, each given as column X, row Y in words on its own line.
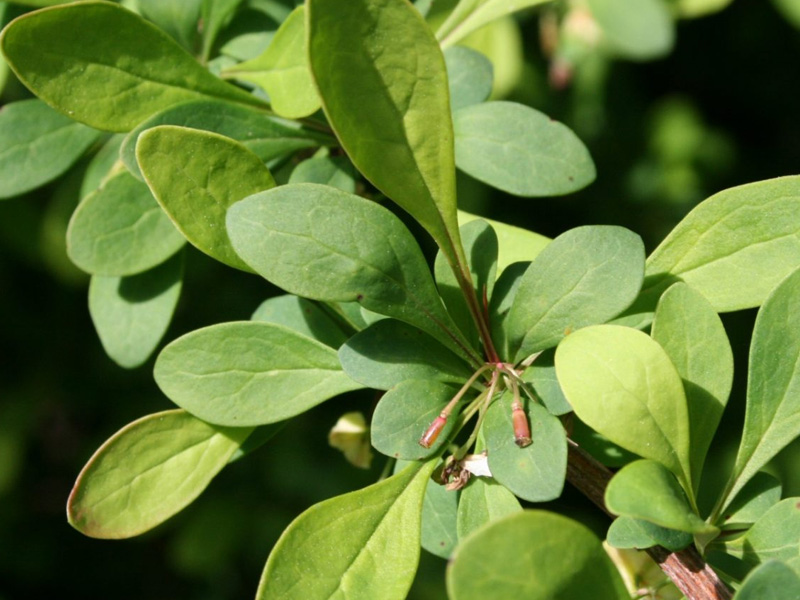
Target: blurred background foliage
column 671, row 116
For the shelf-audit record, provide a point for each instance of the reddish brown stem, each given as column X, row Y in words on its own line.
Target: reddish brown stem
column 687, row 569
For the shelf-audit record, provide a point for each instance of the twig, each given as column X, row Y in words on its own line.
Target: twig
column 686, row 568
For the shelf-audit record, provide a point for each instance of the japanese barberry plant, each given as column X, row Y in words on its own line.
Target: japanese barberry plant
column 496, row 367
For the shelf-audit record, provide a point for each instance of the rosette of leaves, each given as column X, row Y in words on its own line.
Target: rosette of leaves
column 480, row 360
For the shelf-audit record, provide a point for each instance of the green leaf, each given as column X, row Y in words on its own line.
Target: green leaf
column 120, row 229
column 790, row 9
column 471, row 15
column 389, row 352
column 646, row 490
column 561, row 560
column 585, row 276
column 439, row 509
column 535, row 473
column 505, row 290
column 690, row 9
column 775, row 536
column 196, row 176
column 734, row 247
column 758, row 495
column 771, row 581
column 267, row 137
column 216, row 15
column 37, row 144
column 147, row 472
column 321, row 243
column 621, row 382
column 542, row 376
column 66, row 56
column 480, row 246
column 282, row 70
column 131, row 314
column 772, row 419
column 364, row 544
column 692, row 334
column 303, row 316
column 248, row 373
column 384, row 89
column 627, row 532
column 599, row 446
column 470, row 76
column 335, row 171
column 515, row 244
column 642, row 30
column 519, row 150
column 101, row 165
column 405, row 412
column 179, row 18
column 483, row 501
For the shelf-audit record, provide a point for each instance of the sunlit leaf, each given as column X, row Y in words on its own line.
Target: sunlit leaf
column 248, row 373
column 66, row 57
column 641, row 30
column 364, row 544
column 147, row 472
column 515, row 243
column 471, row 15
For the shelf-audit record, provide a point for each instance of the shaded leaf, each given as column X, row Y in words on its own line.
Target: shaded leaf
column 384, row 89
column 542, row 376
column 405, row 412
column 520, row 150
column 102, row 165
column 248, row 373
column 646, row 490
column 734, row 247
column 505, row 290
column 627, row 532
column 775, row 536
column 179, row 18
column 642, row 30
column 267, row 137
column 514, row 243
column 282, row 70
column 621, row 382
column 66, row 57
column 321, row 243
column 481, row 502
column 535, row 473
column 758, row 495
column 364, row 544
column 120, row 229
column 303, row 316
column 335, row 171
column 389, row 352
column 196, row 176
column 131, row 314
column 692, row 334
column 562, row 560
column 439, row 509
column 216, row 14
column 585, row 276
column 771, row 581
column 37, row 144
column 147, row 472
column 772, row 418
column 469, row 74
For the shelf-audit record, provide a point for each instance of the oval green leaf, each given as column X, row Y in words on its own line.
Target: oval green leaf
column 483, row 501
column 735, row 247
column 772, row 418
column 585, row 276
column 384, row 89
column 196, row 176
column 472, row 15
column 321, row 243
column 120, row 229
column 627, row 532
column 757, row 496
column 439, row 509
column 335, row 171
column 773, row 580
column 535, row 473
column 267, row 137
column 692, row 334
column 389, row 352
column 249, row 373
column 37, row 144
column 131, row 314
column 515, row 244
column 519, row 150
column 282, row 70
column 642, row 30
column 147, row 472
column 364, row 544
column 562, row 560
column 405, row 412
column 646, row 490
column 775, row 536
column 620, row 382
column 303, row 316
column 66, row 57
column 470, row 75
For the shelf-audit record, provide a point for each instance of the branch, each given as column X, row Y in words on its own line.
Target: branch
column 687, row 569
